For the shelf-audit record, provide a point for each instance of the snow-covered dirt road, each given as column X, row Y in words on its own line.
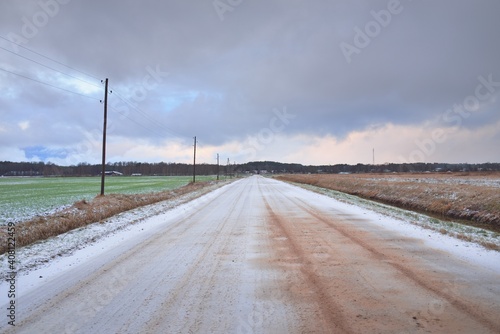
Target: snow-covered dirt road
column 262, row 256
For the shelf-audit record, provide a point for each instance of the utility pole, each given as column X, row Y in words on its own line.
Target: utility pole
column 103, row 172
column 217, row 166
column 194, row 161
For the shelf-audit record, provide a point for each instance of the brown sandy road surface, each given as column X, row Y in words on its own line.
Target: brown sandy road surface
column 261, row 256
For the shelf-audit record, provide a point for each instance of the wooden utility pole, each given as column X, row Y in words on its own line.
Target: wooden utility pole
column 194, row 161
column 217, row 166
column 103, row 172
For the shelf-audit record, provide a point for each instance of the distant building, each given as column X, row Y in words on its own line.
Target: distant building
column 112, row 173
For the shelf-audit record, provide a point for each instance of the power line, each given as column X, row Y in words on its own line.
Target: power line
column 194, row 161
column 103, row 175
column 50, row 85
column 49, row 58
column 140, row 111
column 148, row 117
column 51, row 68
column 134, row 121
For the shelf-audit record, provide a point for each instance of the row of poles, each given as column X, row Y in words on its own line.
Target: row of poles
column 103, row 171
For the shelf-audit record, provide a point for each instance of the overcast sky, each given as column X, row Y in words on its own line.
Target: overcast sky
column 312, row 82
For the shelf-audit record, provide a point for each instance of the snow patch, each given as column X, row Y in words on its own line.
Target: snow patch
column 42, row 261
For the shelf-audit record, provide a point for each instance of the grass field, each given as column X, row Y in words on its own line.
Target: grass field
column 473, row 197
column 22, row 198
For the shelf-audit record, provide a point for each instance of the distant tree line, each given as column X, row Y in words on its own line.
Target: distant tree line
column 8, row 168
column 277, row 167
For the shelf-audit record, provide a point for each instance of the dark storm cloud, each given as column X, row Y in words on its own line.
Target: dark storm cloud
column 229, row 66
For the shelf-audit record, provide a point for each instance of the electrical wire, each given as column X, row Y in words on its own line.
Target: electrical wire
column 144, row 114
column 148, row 117
column 49, row 58
column 50, row 85
column 51, row 68
column 136, row 122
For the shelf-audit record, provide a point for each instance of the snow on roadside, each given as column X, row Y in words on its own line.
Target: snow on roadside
column 43, row 261
column 478, row 181
column 40, row 261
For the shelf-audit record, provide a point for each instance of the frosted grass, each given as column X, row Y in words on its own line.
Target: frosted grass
column 22, row 198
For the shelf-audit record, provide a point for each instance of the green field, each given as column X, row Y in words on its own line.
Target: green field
column 24, row 197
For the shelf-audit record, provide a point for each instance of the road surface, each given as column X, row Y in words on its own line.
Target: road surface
column 262, row 256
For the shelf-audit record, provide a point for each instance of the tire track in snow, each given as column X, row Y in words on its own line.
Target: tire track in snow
column 307, row 229
column 418, row 277
column 332, row 313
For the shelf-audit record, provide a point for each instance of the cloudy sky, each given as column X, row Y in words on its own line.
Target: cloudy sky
column 312, row 82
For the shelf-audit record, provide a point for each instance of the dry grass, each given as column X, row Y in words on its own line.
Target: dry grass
column 468, row 197
column 83, row 213
column 491, row 245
